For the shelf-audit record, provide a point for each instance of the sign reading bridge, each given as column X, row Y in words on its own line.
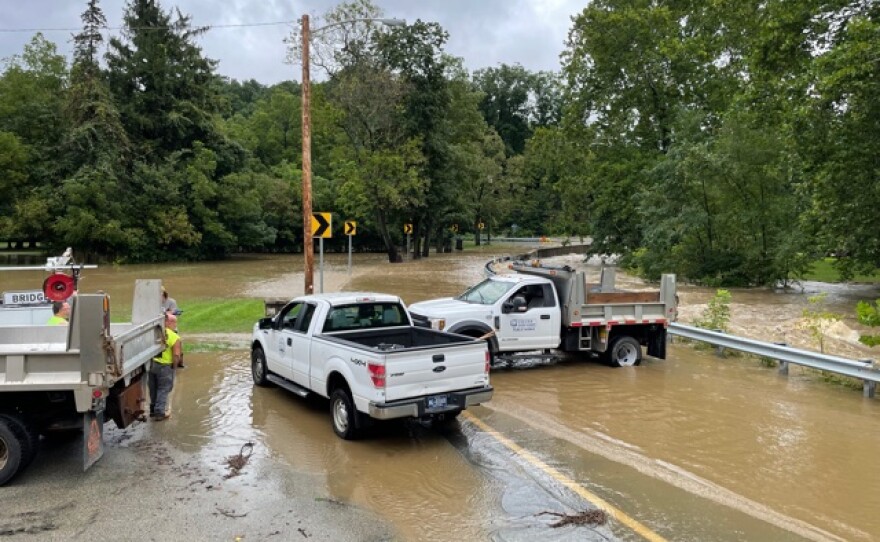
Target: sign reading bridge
column 35, row 297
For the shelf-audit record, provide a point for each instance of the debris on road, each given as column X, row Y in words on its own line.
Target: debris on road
column 587, row 517
column 237, row 462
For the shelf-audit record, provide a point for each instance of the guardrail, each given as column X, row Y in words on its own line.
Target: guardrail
column 860, row 369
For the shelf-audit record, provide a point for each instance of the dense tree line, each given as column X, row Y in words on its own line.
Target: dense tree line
column 730, row 142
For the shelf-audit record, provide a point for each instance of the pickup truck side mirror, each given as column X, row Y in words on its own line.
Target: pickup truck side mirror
column 517, row 303
column 266, row 323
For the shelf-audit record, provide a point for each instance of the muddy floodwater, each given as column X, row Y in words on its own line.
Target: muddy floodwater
column 696, row 447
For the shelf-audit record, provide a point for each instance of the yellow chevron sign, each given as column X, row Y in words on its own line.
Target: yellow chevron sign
column 407, row 229
column 322, row 225
column 350, row 227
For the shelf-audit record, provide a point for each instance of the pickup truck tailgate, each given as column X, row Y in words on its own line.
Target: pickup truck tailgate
column 416, row 373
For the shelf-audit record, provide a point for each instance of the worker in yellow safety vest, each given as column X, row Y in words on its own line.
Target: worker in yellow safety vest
column 60, row 314
column 161, row 375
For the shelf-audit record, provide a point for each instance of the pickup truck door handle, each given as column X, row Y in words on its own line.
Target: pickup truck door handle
column 289, row 341
column 545, row 317
column 438, row 358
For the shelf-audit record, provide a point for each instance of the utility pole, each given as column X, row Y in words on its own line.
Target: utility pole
column 306, row 91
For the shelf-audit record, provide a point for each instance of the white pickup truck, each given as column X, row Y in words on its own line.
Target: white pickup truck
column 543, row 307
column 362, row 352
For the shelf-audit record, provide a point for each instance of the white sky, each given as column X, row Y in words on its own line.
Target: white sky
column 482, row 32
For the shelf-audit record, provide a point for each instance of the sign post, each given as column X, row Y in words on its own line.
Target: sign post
column 407, row 229
column 350, row 231
column 322, row 226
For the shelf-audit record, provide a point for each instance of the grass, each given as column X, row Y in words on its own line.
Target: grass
column 220, row 315
column 823, row 271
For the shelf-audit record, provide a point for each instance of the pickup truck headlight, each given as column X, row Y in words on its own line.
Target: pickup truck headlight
column 438, row 323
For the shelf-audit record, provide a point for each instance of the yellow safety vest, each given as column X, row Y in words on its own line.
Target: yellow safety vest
column 167, row 356
column 56, row 321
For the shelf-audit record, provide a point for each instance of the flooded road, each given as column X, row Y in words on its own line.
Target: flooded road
column 694, row 447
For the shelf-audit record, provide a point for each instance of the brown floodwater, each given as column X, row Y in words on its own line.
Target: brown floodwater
column 695, row 447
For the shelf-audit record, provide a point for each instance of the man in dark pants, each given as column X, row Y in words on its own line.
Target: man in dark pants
column 161, row 376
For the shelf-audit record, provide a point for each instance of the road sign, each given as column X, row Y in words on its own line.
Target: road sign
column 322, row 225
column 350, row 227
column 454, row 228
column 407, row 229
column 481, row 225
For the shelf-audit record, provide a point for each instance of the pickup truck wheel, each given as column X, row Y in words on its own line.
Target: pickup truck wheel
column 28, row 437
column 10, row 452
column 345, row 417
column 259, row 371
column 625, row 352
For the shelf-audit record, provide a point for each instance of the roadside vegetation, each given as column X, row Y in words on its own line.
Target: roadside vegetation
column 731, row 143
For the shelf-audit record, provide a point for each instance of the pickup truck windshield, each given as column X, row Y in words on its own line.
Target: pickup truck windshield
column 487, row 292
column 365, row 316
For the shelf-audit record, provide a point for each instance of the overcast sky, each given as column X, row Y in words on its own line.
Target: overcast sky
column 482, row 32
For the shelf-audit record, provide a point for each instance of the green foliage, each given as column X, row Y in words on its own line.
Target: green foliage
column 869, row 315
column 716, row 316
column 818, row 319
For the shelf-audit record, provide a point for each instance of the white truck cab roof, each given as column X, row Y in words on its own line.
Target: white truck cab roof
column 348, row 298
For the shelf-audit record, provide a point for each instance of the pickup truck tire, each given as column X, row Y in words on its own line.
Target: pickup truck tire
column 259, row 371
column 346, row 419
column 30, row 439
column 624, row 352
column 11, row 445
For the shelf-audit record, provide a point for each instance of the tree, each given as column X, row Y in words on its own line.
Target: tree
column 161, row 81
column 839, row 134
column 32, row 90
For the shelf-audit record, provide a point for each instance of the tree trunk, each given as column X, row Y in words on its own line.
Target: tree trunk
column 426, row 227
column 393, row 255
column 417, row 240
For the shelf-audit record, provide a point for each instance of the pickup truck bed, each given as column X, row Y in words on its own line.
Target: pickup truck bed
column 410, row 338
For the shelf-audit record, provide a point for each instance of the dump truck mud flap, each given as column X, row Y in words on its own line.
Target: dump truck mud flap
column 93, row 438
column 657, row 344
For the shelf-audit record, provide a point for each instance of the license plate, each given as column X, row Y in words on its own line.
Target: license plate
column 437, row 401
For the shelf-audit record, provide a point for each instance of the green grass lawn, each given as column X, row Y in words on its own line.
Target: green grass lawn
column 219, row 315
column 823, row 271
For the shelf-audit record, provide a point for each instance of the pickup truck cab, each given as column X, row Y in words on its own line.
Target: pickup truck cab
column 362, row 352
column 541, row 307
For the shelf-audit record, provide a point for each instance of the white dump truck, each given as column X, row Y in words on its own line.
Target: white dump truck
column 541, row 308
column 69, row 377
column 362, row 352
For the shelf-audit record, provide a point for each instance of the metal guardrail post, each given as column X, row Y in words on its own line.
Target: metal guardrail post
column 783, row 365
column 868, row 389
column 719, row 350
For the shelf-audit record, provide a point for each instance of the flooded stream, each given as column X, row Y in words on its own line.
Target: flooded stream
column 702, row 448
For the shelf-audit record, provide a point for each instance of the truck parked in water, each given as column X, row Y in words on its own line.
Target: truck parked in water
column 539, row 308
column 362, row 352
column 70, row 377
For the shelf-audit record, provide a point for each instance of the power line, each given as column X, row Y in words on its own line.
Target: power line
column 196, row 27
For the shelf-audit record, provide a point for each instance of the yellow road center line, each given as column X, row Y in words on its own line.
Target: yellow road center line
column 588, row 495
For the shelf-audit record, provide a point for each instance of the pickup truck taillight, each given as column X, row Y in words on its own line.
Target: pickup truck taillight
column 377, row 374
column 488, row 361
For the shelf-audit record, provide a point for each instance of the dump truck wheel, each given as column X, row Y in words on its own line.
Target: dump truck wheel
column 30, row 441
column 625, row 352
column 10, row 452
